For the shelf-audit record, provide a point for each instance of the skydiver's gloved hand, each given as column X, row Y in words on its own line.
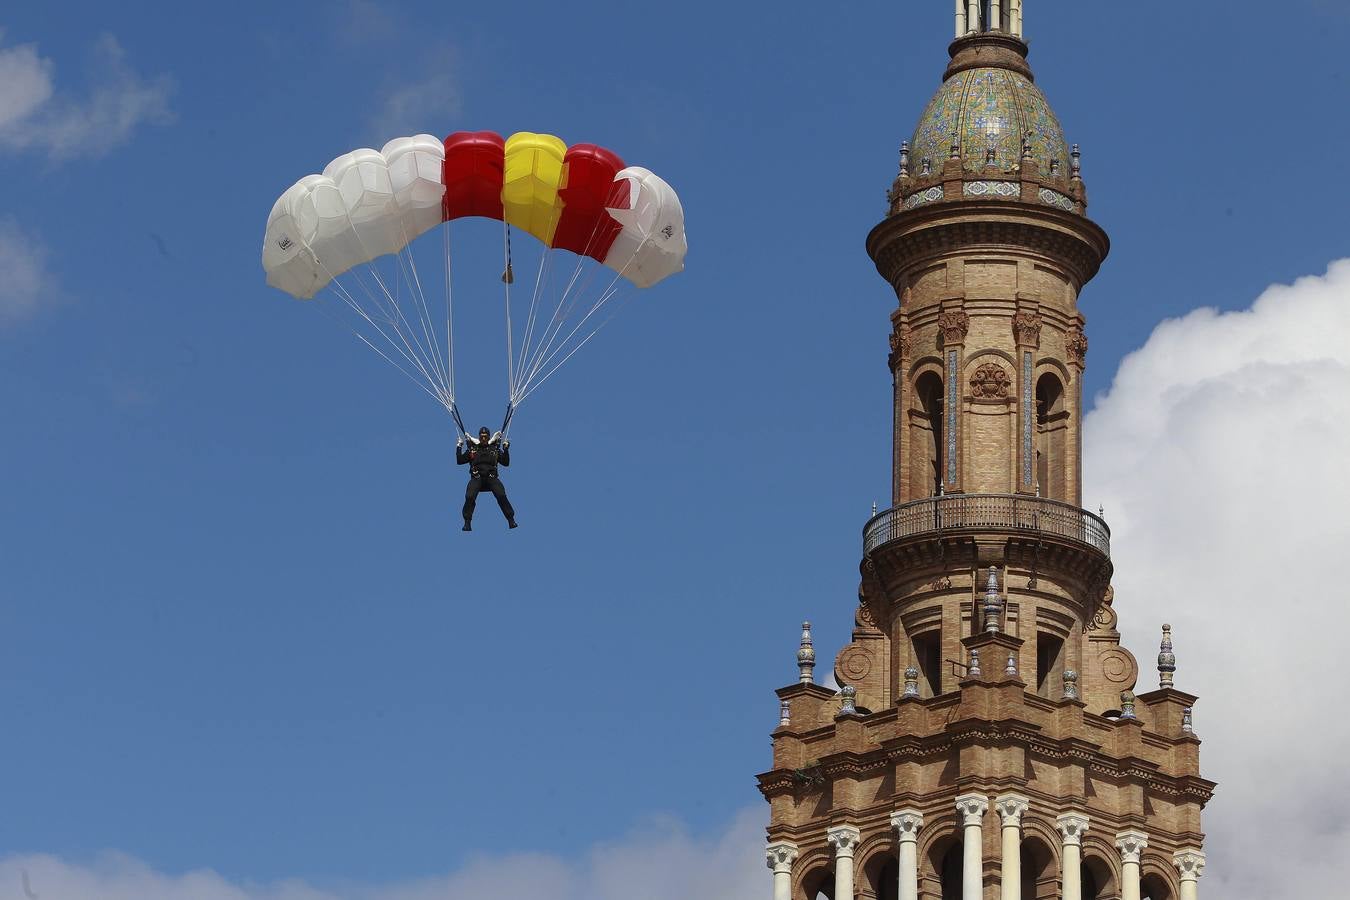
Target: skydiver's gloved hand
column 459, row 442
column 505, row 444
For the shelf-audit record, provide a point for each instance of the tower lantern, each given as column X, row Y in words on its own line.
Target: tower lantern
column 990, row 709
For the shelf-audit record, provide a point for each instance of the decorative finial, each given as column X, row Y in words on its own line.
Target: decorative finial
column 992, row 604
column 1054, row 166
column 973, row 670
column 784, row 714
column 1187, row 723
column 904, row 159
column 1167, row 660
column 1026, row 145
column 1011, row 668
column 847, row 694
column 1076, row 166
column 874, row 508
column 806, row 656
column 1070, row 685
column 911, row 682
column 1101, row 512
column 1127, row 705
column 955, row 151
column 926, row 167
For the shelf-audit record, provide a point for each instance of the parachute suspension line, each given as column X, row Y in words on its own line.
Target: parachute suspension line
column 507, row 279
column 561, row 310
column 541, row 280
column 449, row 317
column 406, row 351
column 351, row 301
column 424, row 311
column 534, row 381
column 393, row 315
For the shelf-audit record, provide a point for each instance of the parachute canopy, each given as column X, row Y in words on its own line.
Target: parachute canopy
column 369, row 203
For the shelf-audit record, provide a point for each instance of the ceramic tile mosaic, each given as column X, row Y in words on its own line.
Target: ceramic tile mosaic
column 930, row 195
column 985, row 188
column 990, row 108
column 1058, row 200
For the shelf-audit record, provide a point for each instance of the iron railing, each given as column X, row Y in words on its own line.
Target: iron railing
column 997, row 512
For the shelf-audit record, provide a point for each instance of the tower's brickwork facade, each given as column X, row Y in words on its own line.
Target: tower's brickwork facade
column 986, row 741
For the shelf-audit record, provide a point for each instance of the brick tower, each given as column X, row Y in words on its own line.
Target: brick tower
column 986, row 742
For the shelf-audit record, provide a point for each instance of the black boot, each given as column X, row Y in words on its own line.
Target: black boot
column 510, row 523
column 468, row 525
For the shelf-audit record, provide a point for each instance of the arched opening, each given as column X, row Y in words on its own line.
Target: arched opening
column 1151, row 887
column 1098, row 880
column 1052, row 428
column 952, row 873
column 1049, row 663
column 883, row 876
column 819, row 885
column 926, row 434
column 928, row 660
column 1039, row 873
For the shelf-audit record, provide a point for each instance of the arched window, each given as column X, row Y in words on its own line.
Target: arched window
column 952, row 872
column 1151, row 887
column 1039, row 870
column 819, row 885
column 1097, row 879
column 926, row 438
column 1051, row 437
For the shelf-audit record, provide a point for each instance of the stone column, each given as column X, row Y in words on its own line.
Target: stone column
column 970, row 808
column 781, row 856
column 907, row 823
column 995, row 15
column 1015, row 17
column 844, row 839
column 1191, row 864
column 1131, row 844
column 973, row 16
column 1072, row 827
column 961, row 18
column 1011, row 808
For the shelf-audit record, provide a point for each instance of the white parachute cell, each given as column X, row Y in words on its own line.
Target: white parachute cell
column 362, row 177
column 287, row 259
column 652, row 245
column 415, row 172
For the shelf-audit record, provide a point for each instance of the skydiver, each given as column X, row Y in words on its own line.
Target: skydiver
column 483, row 456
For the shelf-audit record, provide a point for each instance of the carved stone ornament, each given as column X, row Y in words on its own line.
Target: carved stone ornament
column 902, row 341
column 990, row 382
column 864, row 618
column 941, row 583
column 1027, row 328
column 1077, row 345
column 954, row 326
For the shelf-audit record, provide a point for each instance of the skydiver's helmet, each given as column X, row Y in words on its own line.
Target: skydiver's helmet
column 484, row 435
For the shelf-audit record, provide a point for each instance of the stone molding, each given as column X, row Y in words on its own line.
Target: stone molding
column 780, row 856
column 1131, row 843
column 971, row 808
column 1190, row 863
column 906, row 823
column 844, row 839
column 1071, row 827
column 1011, row 808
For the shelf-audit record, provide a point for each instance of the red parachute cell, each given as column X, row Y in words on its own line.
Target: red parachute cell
column 585, row 227
column 473, row 174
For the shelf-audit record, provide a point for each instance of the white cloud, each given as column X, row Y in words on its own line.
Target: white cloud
column 24, row 279
column 1219, row 453
column 35, row 116
column 422, row 104
column 659, row 862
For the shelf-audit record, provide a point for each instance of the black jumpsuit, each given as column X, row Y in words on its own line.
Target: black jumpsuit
column 483, row 460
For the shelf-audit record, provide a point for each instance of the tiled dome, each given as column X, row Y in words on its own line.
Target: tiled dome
column 989, row 107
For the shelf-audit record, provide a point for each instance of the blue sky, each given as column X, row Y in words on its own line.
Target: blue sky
column 243, row 628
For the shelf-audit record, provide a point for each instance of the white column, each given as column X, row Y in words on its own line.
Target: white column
column 844, row 839
column 1011, row 808
column 973, row 16
column 1072, row 827
column 1191, row 865
column 781, row 856
column 970, row 808
column 960, row 18
column 1131, row 844
column 995, row 15
column 1015, row 17
column 907, row 823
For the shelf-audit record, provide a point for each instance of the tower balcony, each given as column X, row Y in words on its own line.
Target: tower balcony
column 1012, row 515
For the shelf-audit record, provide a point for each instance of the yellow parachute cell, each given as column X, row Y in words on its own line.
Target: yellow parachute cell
column 533, row 174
